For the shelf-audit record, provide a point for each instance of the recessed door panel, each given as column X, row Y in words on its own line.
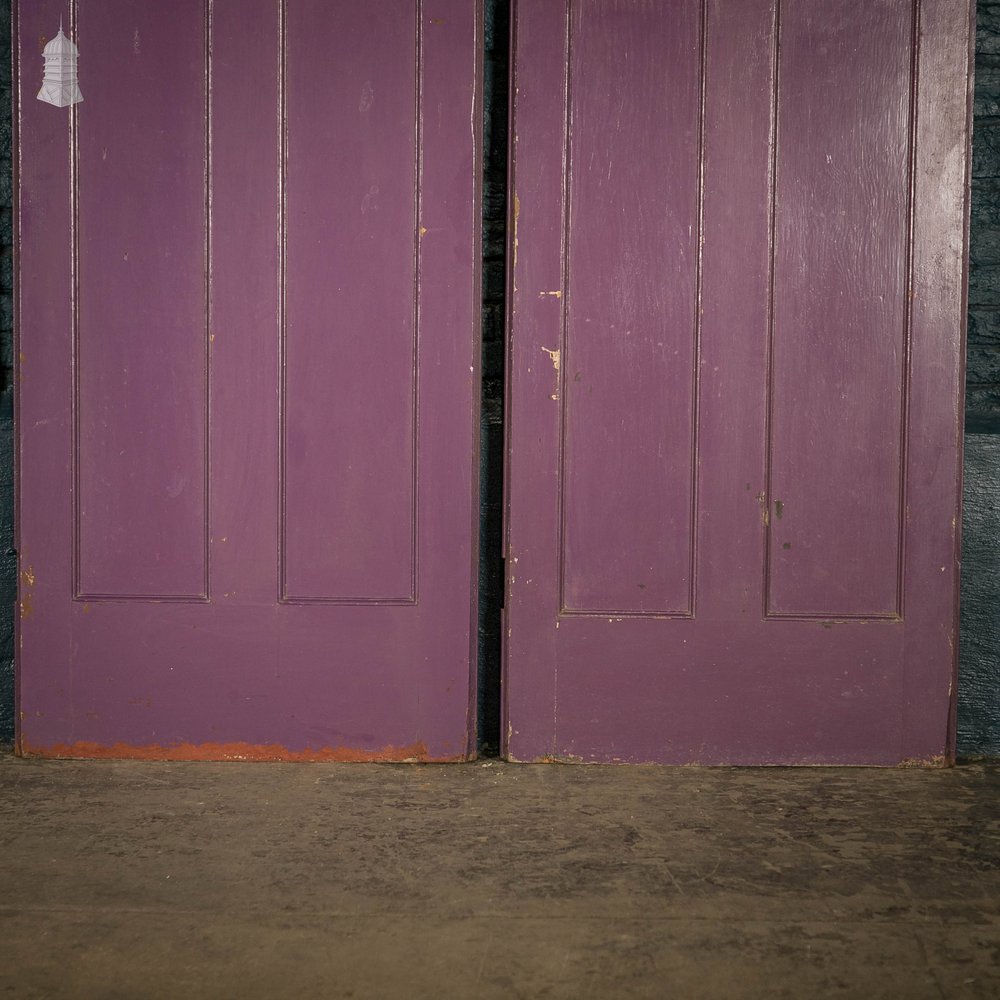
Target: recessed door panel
column 140, row 299
column 840, row 308
column 351, row 304
column 628, row 348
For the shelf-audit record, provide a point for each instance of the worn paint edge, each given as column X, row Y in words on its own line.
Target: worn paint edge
column 935, row 762
column 415, row 753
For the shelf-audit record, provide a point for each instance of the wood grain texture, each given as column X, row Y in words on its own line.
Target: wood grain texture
column 631, row 318
column 828, row 412
column 840, row 307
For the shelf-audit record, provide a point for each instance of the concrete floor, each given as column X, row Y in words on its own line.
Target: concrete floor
column 134, row 880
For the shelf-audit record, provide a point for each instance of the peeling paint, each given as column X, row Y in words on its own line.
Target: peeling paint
column 557, row 294
column 414, row 753
column 367, row 98
column 765, row 514
column 935, row 760
column 517, row 215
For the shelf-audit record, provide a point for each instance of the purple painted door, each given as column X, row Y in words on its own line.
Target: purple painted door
column 735, row 356
column 247, row 388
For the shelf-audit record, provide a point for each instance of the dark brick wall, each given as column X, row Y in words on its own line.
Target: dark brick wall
column 983, row 378
column 979, row 668
column 979, row 673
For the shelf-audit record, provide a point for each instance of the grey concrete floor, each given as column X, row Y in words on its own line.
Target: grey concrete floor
column 129, row 879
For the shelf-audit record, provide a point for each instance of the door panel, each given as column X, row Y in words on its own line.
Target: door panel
column 350, row 348
column 634, row 130
column 840, row 323
column 141, row 328
column 248, row 454
column 736, row 322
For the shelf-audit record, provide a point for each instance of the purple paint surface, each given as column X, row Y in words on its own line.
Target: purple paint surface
column 631, row 322
column 840, row 326
column 351, row 301
column 772, row 378
column 141, row 292
column 248, row 430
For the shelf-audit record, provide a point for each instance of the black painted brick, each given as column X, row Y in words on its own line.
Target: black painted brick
column 982, row 400
column 988, row 27
column 985, row 245
column 984, row 284
column 986, row 150
column 985, row 203
column 983, row 365
column 984, row 327
column 986, row 102
column 978, row 689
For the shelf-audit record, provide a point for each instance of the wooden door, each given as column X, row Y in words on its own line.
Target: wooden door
column 248, row 326
column 735, row 379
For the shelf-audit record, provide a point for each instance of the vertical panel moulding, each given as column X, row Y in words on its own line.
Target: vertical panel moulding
column 208, row 298
column 282, row 153
column 567, row 119
column 418, row 174
column 284, row 597
column 908, row 320
column 74, row 173
column 74, row 284
column 769, row 359
column 905, row 359
column 696, row 366
column 564, row 347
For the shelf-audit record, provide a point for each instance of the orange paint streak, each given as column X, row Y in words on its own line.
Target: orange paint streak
column 415, row 753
